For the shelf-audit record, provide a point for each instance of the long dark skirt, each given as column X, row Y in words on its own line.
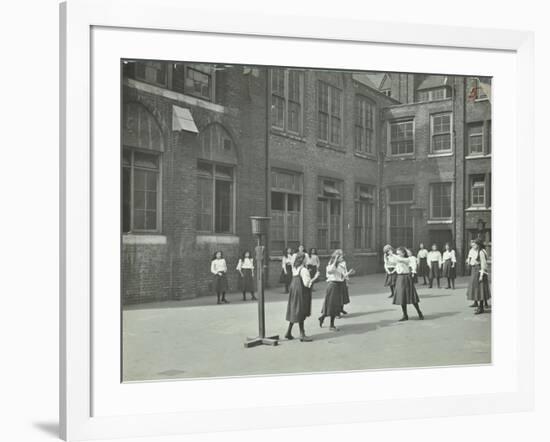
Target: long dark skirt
column 405, row 291
column 423, row 268
column 478, row 290
column 434, row 270
column 390, row 279
column 220, row 283
column 334, row 297
column 448, row 270
column 286, row 278
column 247, row 281
column 299, row 301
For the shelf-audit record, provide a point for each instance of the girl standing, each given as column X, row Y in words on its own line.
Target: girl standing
column 478, row 287
column 314, row 262
column 423, row 268
column 434, row 263
column 286, row 272
column 413, row 265
column 299, row 298
column 405, row 291
column 301, row 249
column 218, row 267
column 336, row 276
column 345, row 294
column 389, row 266
column 449, row 265
column 245, row 267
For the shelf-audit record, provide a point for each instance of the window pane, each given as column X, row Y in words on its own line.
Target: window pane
column 277, row 111
column 126, row 199
column 223, row 203
column 139, row 199
column 150, row 219
column 144, row 160
column 277, row 201
column 198, row 82
column 323, row 127
column 204, row 215
column 139, row 219
column 441, row 200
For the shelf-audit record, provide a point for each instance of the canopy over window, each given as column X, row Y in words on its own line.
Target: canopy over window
column 433, row 81
column 183, row 120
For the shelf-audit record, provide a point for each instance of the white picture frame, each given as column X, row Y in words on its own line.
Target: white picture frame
column 94, row 406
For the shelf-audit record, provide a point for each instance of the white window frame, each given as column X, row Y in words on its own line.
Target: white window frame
column 434, row 218
column 331, row 87
column 286, row 113
column 389, row 140
column 432, row 134
column 477, row 179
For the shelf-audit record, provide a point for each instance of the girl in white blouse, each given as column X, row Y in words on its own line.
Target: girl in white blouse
column 478, row 287
column 314, row 263
column 449, row 265
column 389, row 267
column 218, row 267
column 423, row 269
column 286, row 272
column 435, row 261
column 245, row 267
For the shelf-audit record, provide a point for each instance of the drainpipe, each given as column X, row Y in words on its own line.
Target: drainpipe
column 267, row 174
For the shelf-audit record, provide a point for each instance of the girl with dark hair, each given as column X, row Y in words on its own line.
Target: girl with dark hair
column 389, row 267
column 413, row 265
column 286, row 272
column 449, row 265
column 336, row 279
column 423, row 268
column 299, row 297
column 478, row 287
column 435, row 261
column 405, row 291
column 245, row 267
column 218, row 267
column 301, row 249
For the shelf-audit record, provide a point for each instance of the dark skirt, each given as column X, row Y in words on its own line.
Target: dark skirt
column 332, row 306
column 286, row 278
column 247, row 281
column 478, row 290
column 414, row 278
column 390, row 279
column 220, row 283
column 434, row 270
column 405, row 291
column 448, row 270
column 345, row 294
column 299, row 301
column 423, row 268
column 312, row 270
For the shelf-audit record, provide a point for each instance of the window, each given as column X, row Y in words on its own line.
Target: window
column 329, row 214
column 401, row 221
column 152, row 72
column 477, row 89
column 330, row 114
column 286, row 210
column 479, row 191
column 287, row 99
column 441, row 201
column 364, row 125
column 433, row 94
column 441, row 133
column 215, row 198
column 140, row 191
column 194, row 79
column 364, row 217
column 402, row 137
column 475, row 139
column 386, row 92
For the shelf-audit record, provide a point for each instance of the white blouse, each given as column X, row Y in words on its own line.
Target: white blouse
column 413, row 263
column 337, row 272
column 449, row 255
column 478, row 257
column 304, row 274
column 247, row 263
column 402, row 265
column 218, row 265
column 422, row 253
column 286, row 260
column 434, row 256
column 389, row 262
column 306, row 258
column 314, row 260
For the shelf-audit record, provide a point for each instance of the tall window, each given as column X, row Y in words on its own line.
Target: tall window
column 364, row 125
column 287, row 99
column 440, row 93
column 330, row 113
column 402, row 137
column 152, row 72
column 215, row 193
column 475, row 139
column 441, row 201
column 140, row 191
column 479, row 191
column 286, row 210
column 194, row 79
column 441, row 133
column 364, row 217
column 401, row 220
column 329, row 214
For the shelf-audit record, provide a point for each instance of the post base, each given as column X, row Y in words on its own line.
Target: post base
column 254, row 342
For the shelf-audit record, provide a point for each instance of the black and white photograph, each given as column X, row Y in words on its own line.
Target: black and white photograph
column 292, row 220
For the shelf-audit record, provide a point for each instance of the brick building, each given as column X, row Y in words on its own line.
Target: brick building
column 336, row 159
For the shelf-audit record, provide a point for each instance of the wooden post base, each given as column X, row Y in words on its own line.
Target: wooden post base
column 254, row 342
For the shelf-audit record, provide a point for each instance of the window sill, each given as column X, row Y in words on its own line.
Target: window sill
column 217, row 238
column 282, row 133
column 478, row 209
column 365, row 156
column 362, row 252
column 477, row 157
column 400, row 157
column 440, row 221
column 145, row 238
column 440, row 155
column 331, row 147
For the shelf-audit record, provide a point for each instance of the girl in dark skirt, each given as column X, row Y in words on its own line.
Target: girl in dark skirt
column 245, row 267
column 314, row 263
column 405, row 291
column 299, row 297
column 423, row 268
column 413, row 265
column 389, row 266
column 435, row 262
column 345, row 294
column 334, row 297
column 478, row 287
column 218, row 267
column 286, row 272
column 449, row 265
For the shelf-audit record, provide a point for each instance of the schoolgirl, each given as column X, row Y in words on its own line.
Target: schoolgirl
column 435, row 261
column 336, row 279
column 286, row 272
column 245, row 267
column 449, row 265
column 301, row 249
column 478, row 287
column 299, row 297
column 313, row 263
column 389, row 266
column 405, row 291
column 413, row 265
column 423, row 268
column 218, row 267
column 345, row 293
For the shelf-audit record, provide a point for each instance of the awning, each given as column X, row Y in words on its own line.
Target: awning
column 183, row 120
column 433, row 81
column 327, row 188
column 365, row 195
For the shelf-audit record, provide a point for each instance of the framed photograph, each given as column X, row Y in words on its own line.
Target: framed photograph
column 326, row 221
